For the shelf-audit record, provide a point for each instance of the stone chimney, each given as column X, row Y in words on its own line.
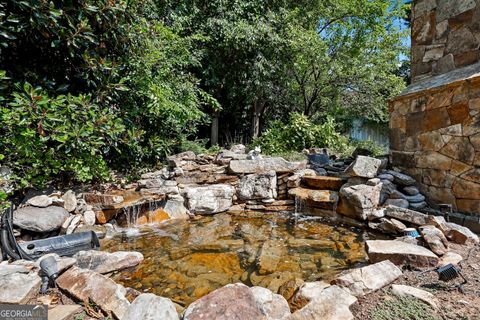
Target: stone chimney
column 435, row 122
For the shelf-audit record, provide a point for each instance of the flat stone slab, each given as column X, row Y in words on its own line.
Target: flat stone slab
column 403, row 291
column 324, row 199
column 277, row 164
column 323, row 183
column 407, row 215
column 400, row 253
column 105, row 262
column 85, row 284
column 64, row 312
column 18, row 284
column 364, row 280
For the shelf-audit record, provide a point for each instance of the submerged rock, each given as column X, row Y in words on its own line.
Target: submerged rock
column 365, row 280
column 148, row 306
column 105, row 262
column 40, row 219
column 270, row 255
column 88, row 285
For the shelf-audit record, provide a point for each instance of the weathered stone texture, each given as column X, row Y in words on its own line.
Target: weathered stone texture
column 439, row 143
column 445, row 36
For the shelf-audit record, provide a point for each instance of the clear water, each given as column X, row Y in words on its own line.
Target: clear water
column 184, row 260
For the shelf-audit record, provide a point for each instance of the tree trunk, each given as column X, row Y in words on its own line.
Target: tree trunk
column 214, row 130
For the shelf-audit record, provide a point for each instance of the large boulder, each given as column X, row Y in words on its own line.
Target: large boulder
column 40, row 219
column 333, row 303
column 271, row 304
column 105, row 262
column 236, row 301
column 175, row 207
column 323, row 199
column 258, row 186
column 88, row 285
column 359, row 201
column 364, row 280
column 365, row 167
column 277, row 164
column 148, row 306
column 209, row 199
column 400, row 253
column 18, row 284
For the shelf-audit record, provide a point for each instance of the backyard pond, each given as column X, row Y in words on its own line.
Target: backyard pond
column 185, row 260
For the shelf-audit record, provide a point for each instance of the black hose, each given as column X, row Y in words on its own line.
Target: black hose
column 8, row 243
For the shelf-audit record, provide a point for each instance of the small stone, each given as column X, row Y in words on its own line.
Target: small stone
column 42, row 201
column 365, row 280
column 401, row 203
column 386, row 176
column 427, row 297
column 70, row 201
column 417, row 205
column 148, row 306
column 89, row 217
column 450, row 257
column 308, row 292
column 416, row 198
column 411, row 191
column 401, row 179
column 435, row 239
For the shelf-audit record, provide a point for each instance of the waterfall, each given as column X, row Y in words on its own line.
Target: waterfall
column 299, row 206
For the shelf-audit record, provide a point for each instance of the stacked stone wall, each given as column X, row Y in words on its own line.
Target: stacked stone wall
column 445, row 36
column 435, row 137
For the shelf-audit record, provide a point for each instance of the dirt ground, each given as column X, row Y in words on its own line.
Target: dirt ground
column 453, row 303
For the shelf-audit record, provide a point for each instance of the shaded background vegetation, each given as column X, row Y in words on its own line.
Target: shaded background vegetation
column 91, row 85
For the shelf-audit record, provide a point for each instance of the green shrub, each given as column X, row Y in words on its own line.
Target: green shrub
column 48, row 137
column 300, row 133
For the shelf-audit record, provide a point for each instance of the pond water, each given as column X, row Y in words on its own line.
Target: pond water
column 185, row 260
